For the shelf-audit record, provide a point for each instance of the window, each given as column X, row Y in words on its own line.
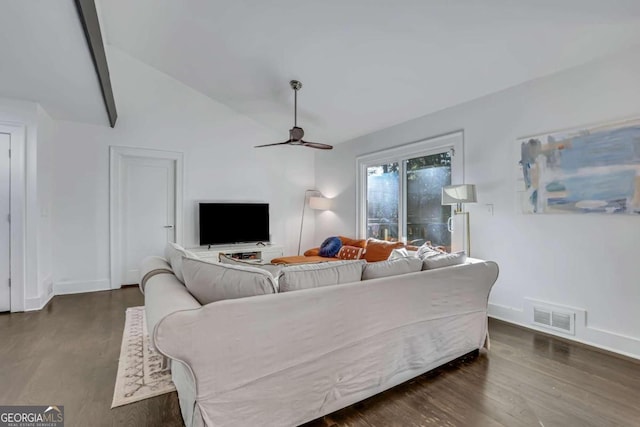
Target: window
column 400, row 191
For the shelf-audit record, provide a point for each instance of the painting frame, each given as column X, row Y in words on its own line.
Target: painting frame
column 591, row 169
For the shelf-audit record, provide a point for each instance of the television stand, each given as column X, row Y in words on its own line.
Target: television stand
column 260, row 253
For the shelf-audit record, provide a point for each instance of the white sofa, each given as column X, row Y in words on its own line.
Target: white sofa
column 287, row 358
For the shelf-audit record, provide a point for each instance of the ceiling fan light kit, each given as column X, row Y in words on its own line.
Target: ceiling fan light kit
column 297, row 133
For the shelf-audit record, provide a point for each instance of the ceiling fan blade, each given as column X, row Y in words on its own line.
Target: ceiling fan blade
column 269, row 145
column 317, row 145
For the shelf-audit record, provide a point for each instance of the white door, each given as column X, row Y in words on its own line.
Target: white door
column 5, row 226
column 148, row 194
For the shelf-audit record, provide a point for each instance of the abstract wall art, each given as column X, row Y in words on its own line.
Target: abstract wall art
column 589, row 170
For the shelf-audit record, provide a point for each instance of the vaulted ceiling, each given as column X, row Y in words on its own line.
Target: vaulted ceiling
column 44, row 58
column 364, row 64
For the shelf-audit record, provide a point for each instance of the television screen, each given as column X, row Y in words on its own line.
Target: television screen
column 222, row 223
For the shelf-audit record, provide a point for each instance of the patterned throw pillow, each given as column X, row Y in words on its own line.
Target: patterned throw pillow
column 427, row 251
column 350, row 252
column 330, row 247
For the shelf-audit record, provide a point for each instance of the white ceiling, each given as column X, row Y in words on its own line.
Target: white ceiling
column 364, row 64
column 44, row 58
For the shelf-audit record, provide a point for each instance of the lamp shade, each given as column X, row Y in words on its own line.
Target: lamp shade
column 319, row 203
column 462, row 193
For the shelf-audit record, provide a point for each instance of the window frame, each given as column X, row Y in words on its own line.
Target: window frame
column 453, row 141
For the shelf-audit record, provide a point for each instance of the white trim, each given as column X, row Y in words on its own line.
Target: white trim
column 35, row 304
column 607, row 340
column 17, row 133
column 116, row 157
column 437, row 144
column 79, row 286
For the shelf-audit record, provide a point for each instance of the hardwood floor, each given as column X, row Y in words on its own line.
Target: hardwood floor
column 68, row 354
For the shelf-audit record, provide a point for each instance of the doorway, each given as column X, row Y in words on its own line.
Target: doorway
column 399, row 192
column 146, row 208
column 13, row 204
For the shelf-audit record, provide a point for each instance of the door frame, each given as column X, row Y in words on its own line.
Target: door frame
column 444, row 142
column 18, row 199
column 117, row 155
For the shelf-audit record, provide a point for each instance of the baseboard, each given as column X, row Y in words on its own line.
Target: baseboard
column 606, row 340
column 81, row 286
column 38, row 303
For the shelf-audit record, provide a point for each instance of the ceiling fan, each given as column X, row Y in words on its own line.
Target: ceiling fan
column 296, row 133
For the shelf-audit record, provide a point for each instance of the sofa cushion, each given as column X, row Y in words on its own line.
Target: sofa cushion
column 350, row 252
column 308, row 276
column 174, row 254
column 444, row 260
column 330, row 247
column 274, row 269
column 209, row 282
column 379, row 250
column 394, row 267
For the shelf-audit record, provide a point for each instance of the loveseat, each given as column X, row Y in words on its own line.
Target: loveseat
column 285, row 358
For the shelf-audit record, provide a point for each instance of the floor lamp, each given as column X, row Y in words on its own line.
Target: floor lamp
column 458, row 195
column 318, row 202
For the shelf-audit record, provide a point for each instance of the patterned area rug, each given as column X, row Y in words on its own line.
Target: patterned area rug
column 140, row 375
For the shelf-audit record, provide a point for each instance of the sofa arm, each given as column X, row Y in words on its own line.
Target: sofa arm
column 152, row 266
column 164, row 295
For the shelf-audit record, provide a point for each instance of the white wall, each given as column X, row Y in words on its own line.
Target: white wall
column 46, row 129
column 588, row 262
column 156, row 111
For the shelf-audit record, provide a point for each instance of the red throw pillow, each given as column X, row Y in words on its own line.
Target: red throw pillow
column 350, row 252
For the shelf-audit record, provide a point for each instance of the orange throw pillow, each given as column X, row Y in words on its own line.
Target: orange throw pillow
column 379, row 250
column 350, row 252
column 358, row 243
column 312, row 252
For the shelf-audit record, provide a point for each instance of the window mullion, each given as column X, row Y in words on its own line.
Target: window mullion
column 402, row 196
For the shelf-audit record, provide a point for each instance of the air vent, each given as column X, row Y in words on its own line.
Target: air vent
column 563, row 321
column 541, row 316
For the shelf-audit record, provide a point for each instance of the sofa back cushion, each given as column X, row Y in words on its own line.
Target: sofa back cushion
column 274, row 269
column 309, row 276
column 444, row 260
column 209, row 282
column 394, row 267
column 174, row 253
column 379, row 250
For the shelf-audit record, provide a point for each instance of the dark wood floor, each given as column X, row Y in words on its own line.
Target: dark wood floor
column 68, row 354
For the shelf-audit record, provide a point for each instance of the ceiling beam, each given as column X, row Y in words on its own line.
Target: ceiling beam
column 89, row 19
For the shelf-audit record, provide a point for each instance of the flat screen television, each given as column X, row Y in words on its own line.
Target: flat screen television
column 223, row 223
